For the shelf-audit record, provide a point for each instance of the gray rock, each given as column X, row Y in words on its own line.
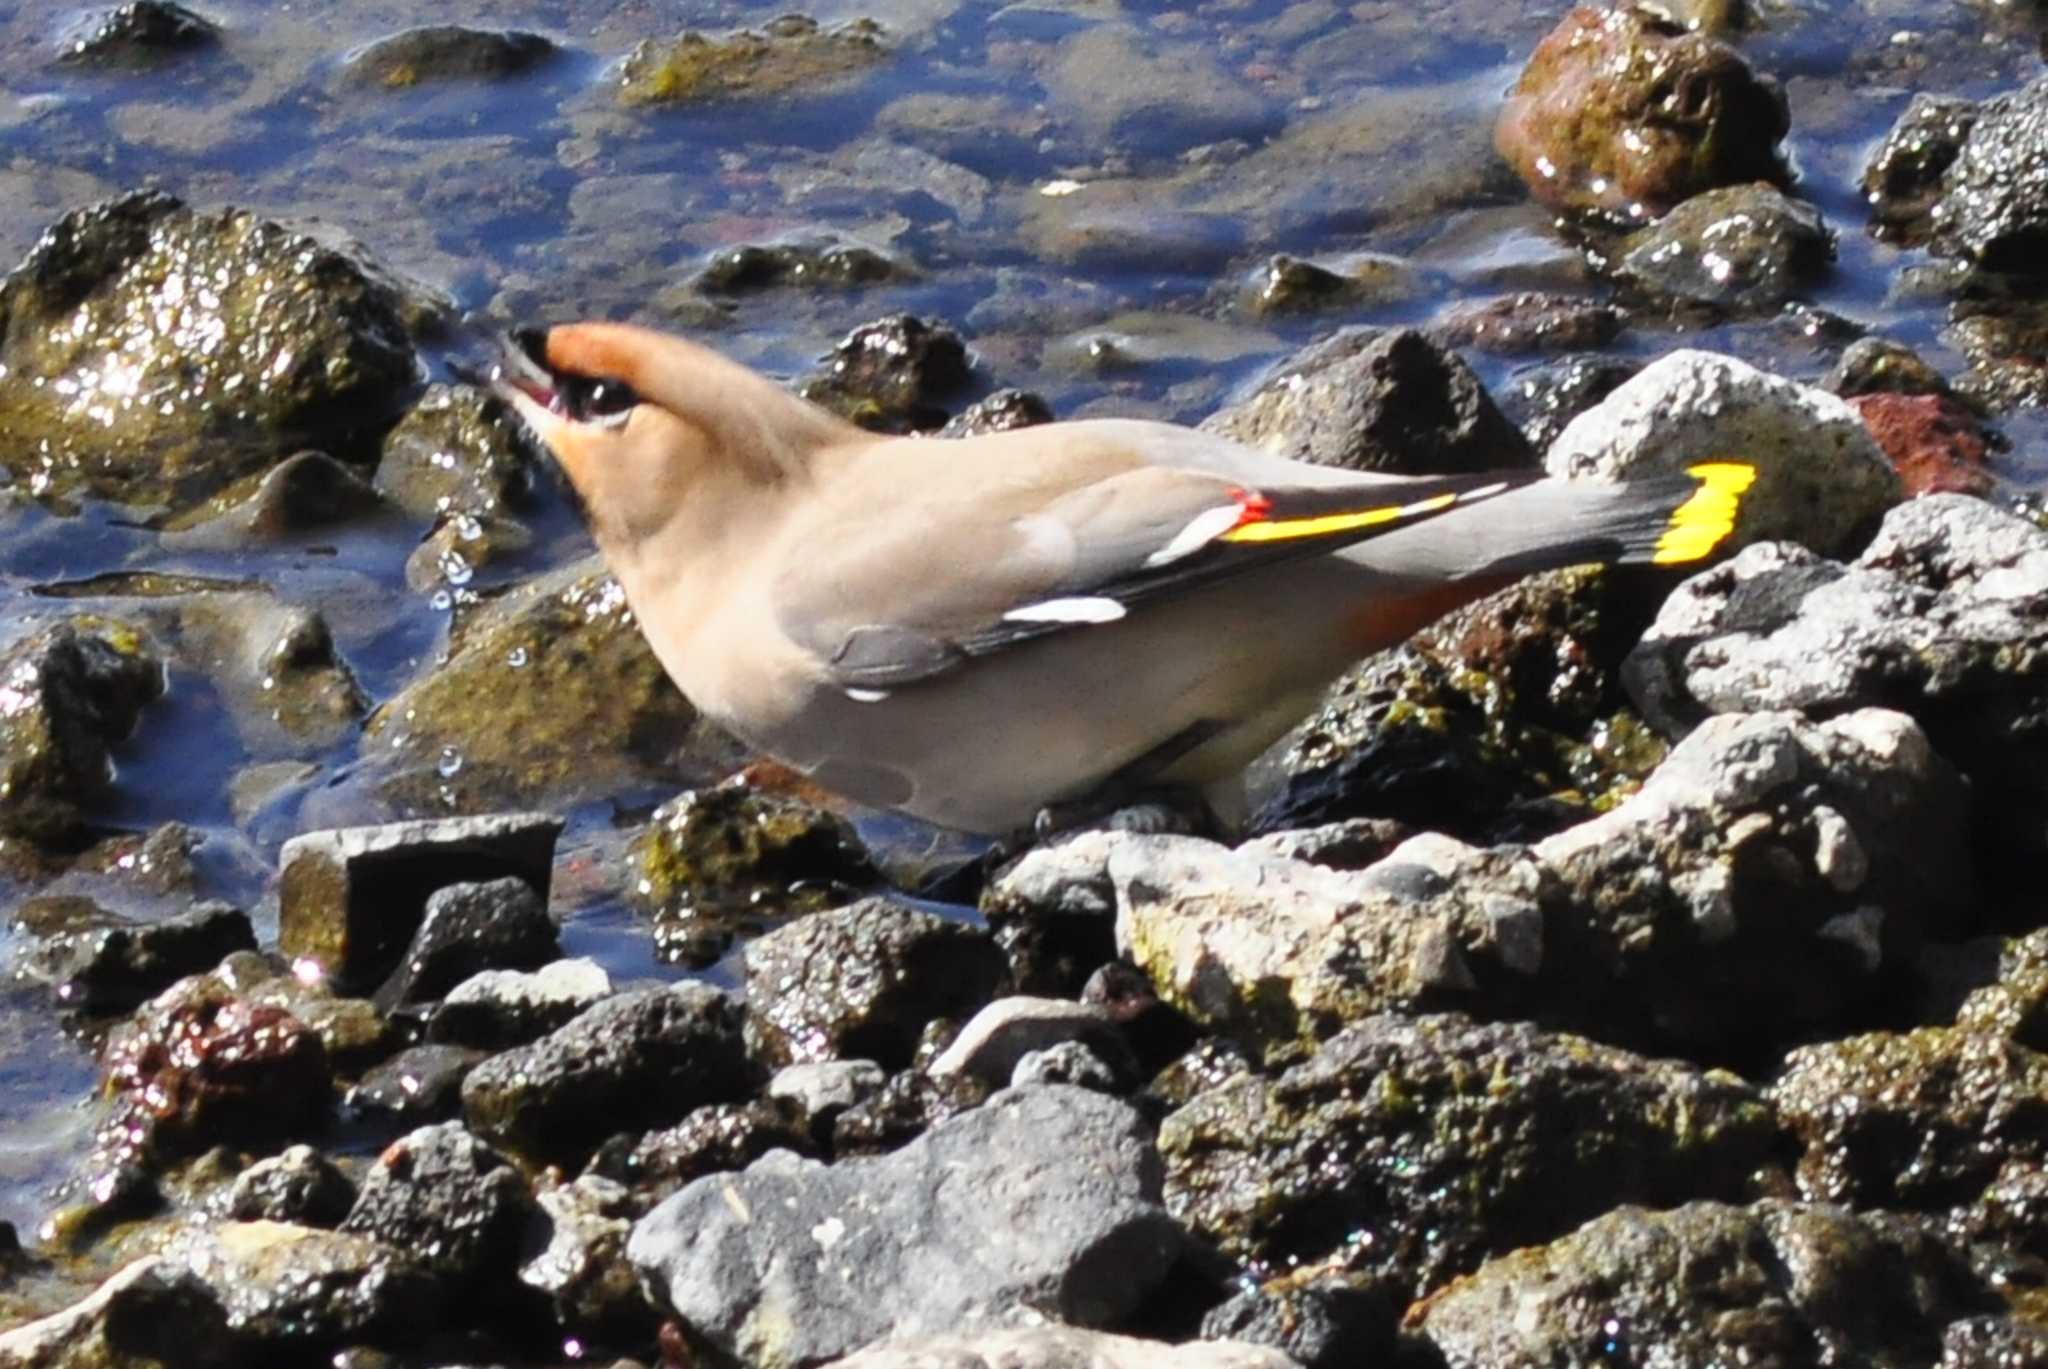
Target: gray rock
column 1531, row 321
column 1746, row 248
column 1541, row 399
column 1942, row 615
column 420, row 1084
column 638, row 1060
column 812, row 260
column 113, row 1321
column 448, row 1199
column 1415, row 1148
column 1077, row 1063
column 713, row 1139
column 1708, row 1284
column 498, row 1009
column 909, row 1104
column 998, row 413
column 1060, row 1347
column 1875, row 365
column 112, row 964
column 1983, row 1342
column 298, row 1186
column 349, row 899
column 582, row 1268
column 500, row 924
column 891, row 375
column 1820, row 475
column 1374, row 401
column 823, row 1089
column 862, row 982
column 1768, row 880
column 302, row 493
column 1348, row 844
column 1045, row 1201
column 1993, row 210
column 998, row 1037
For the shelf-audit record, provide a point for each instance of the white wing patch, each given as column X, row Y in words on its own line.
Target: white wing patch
column 866, row 696
column 1201, row 530
column 1079, row 608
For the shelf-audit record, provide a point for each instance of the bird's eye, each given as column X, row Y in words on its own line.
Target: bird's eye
column 587, row 399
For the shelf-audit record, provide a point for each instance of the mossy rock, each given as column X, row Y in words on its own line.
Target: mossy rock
column 791, row 55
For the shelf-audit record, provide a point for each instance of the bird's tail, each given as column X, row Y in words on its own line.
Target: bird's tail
column 1663, row 520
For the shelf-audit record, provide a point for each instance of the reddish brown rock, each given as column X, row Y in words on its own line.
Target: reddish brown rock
column 1621, row 114
column 1934, row 442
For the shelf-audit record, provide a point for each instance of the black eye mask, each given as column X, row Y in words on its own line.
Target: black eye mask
column 581, row 398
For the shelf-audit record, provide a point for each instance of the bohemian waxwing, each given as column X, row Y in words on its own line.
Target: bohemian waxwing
column 972, row 630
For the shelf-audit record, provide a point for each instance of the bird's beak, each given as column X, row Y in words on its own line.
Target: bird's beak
column 512, row 364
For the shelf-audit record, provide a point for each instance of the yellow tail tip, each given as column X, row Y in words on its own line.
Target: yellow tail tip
column 1704, row 520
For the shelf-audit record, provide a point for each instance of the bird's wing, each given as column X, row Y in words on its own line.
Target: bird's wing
column 937, row 574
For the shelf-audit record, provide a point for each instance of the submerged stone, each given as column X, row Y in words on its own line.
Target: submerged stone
column 445, row 52
column 791, row 54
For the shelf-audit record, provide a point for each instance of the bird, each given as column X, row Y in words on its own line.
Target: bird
column 979, row 631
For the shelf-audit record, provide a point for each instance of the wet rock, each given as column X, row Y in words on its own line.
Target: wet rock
column 1820, row 476
column 1375, row 401
column 862, row 982
column 1415, row 1148
column 1621, row 114
column 447, row 1199
column 1774, row 877
column 118, row 1319
column 1904, row 178
column 2007, row 347
column 299, row 1185
column 1993, row 211
column 458, row 450
column 301, row 493
column 2014, row 1007
column 268, row 1292
column 201, row 1066
column 1291, row 285
column 444, row 52
column 996, row 1040
column 715, row 861
column 1935, row 443
column 1985, row 1341
column 908, row 1105
column 637, row 1060
column 792, row 54
column 111, row 963
column 1318, row 1318
column 498, row 1009
column 1744, row 248
column 418, row 1085
column 133, row 373
column 1872, row 366
column 452, row 557
column 1542, row 399
column 1044, row 1199
column 891, row 375
column 466, row 929
column 1061, row 1347
column 549, row 694
column 822, row 260
column 1529, row 322
column 823, row 1089
column 1921, row 1119
column 349, row 899
column 140, row 34
column 1502, row 720
column 582, row 1269
column 1939, row 615
column 1077, row 1063
column 1708, row 1283
column 713, row 1139
column 68, row 693
column 999, row 413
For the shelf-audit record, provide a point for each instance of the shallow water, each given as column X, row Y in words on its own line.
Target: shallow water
column 1081, row 186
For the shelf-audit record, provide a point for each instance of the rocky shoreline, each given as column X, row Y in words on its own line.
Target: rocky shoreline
column 1627, row 970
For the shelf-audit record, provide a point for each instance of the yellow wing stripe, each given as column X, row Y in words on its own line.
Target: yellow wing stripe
column 1287, row 529
column 1701, row 523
